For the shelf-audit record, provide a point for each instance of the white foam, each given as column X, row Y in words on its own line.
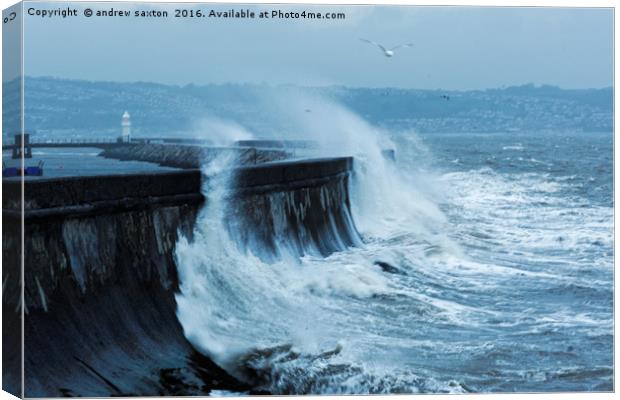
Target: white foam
column 232, row 304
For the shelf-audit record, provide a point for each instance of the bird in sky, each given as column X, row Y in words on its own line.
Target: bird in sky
column 387, row 52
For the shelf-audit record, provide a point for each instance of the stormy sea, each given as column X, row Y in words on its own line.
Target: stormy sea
column 483, row 263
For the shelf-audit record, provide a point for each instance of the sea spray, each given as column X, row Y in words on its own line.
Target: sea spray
column 218, row 131
column 267, row 320
column 442, row 295
column 239, row 310
column 385, row 193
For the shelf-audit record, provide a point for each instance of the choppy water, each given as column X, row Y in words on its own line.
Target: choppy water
column 487, row 266
column 77, row 161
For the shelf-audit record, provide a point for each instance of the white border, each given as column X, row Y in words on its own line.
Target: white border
column 509, row 3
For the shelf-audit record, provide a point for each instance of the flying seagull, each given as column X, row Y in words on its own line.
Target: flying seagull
column 387, row 52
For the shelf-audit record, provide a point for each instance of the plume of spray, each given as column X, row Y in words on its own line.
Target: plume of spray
column 219, row 132
column 232, row 306
column 242, row 312
column 222, row 288
column 221, row 285
column 386, row 195
column 200, row 261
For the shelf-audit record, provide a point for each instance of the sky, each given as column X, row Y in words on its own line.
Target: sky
column 455, row 48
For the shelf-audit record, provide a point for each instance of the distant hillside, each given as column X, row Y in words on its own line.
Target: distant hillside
column 58, row 107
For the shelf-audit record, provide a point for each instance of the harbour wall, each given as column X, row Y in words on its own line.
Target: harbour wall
column 100, row 275
column 191, row 156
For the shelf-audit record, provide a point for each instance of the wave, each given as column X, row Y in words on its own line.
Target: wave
column 411, row 280
column 266, row 278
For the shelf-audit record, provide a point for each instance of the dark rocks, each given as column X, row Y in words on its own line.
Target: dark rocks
column 389, row 268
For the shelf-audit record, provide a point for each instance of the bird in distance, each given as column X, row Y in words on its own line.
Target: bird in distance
column 387, row 52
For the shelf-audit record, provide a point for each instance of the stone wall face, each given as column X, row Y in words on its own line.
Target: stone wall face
column 99, row 296
column 100, row 274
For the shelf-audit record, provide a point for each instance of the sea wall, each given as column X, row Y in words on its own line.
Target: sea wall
column 100, row 313
column 100, row 282
column 191, row 156
column 300, row 208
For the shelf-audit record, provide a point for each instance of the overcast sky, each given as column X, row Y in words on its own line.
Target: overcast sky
column 455, row 48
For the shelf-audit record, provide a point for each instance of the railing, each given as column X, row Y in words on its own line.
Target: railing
column 64, row 142
column 38, row 141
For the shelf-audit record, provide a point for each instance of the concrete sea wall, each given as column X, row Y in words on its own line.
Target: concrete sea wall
column 100, row 313
column 191, row 156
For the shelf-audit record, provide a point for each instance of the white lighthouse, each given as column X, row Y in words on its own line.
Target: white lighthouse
column 126, row 125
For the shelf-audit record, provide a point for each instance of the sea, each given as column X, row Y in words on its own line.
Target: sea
column 77, row 161
column 485, row 264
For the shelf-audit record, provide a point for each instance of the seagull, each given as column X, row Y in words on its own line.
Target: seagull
column 387, row 52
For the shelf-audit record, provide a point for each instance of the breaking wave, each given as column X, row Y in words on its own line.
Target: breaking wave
column 397, row 279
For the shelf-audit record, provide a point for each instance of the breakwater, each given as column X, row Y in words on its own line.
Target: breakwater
column 191, row 156
column 100, row 311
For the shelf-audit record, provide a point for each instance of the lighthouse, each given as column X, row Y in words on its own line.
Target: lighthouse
column 126, row 125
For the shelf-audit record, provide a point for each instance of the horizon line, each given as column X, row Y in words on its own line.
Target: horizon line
column 335, row 85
